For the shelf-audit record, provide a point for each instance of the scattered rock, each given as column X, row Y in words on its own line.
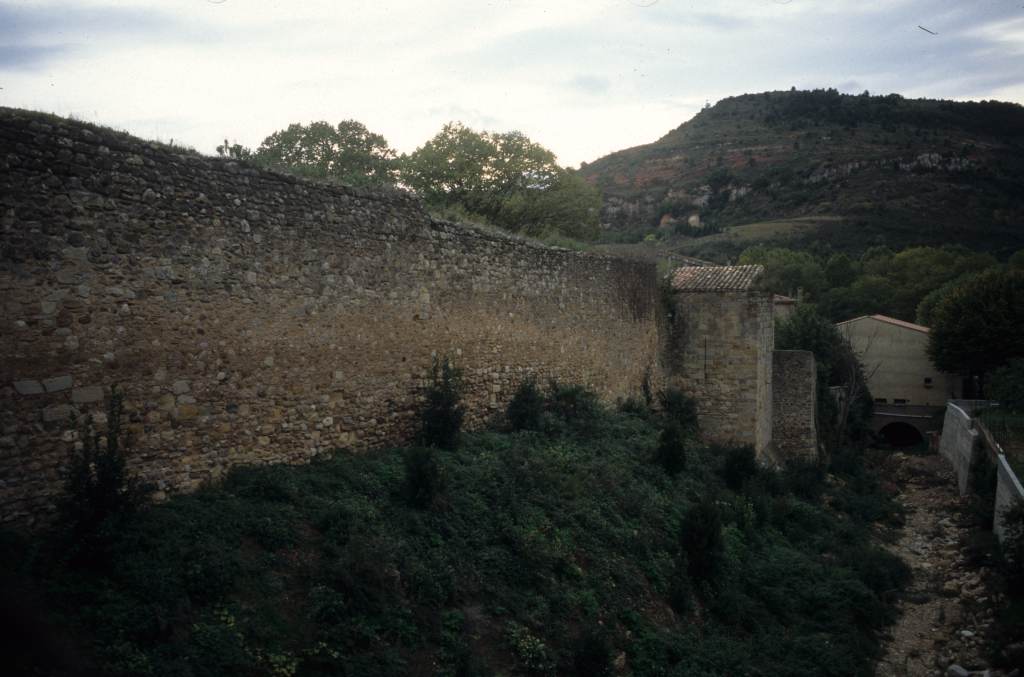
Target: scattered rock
column 87, row 394
column 28, row 387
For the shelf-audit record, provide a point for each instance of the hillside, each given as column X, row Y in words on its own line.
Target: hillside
column 793, row 166
column 564, row 551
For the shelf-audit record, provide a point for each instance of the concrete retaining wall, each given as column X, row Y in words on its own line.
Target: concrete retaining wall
column 964, row 439
column 959, row 443
column 1009, row 493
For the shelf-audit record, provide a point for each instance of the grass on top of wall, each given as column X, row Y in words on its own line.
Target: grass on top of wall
column 568, row 551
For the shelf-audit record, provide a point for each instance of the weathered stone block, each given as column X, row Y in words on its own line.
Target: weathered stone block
column 28, row 387
column 87, row 394
column 58, row 412
column 180, row 387
column 57, row 384
column 186, row 412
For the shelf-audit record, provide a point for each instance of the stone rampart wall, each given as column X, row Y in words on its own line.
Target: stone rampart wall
column 252, row 318
column 794, row 378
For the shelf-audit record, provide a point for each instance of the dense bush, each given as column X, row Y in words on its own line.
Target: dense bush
column 98, row 492
column 443, row 412
column 678, row 408
column 549, row 549
column 702, row 542
column 424, row 479
column 671, row 451
column 593, row 653
column 635, row 406
column 804, row 479
column 1007, row 385
column 526, row 408
column 574, row 404
column 739, row 465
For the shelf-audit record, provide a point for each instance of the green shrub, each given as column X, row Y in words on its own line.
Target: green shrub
column 526, row 409
column 574, row 404
column 739, row 465
column 531, row 651
column 847, row 460
column 880, row 570
column 592, row 654
column 671, row 451
column 98, row 493
column 635, row 406
column 334, row 567
column 678, row 408
column 804, row 479
column 424, row 481
column 680, row 592
column 702, row 542
column 1006, row 385
column 443, row 413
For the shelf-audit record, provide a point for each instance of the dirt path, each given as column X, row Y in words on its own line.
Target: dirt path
column 946, row 615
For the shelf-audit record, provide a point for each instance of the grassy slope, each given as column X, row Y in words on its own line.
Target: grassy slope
column 546, row 552
column 772, row 143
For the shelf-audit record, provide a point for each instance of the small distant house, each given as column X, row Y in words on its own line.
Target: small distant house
column 895, row 358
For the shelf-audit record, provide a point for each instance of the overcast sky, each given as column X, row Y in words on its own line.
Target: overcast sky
column 583, row 78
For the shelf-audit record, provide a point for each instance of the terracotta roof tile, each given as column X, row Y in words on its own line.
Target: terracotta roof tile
column 889, row 320
column 715, row 278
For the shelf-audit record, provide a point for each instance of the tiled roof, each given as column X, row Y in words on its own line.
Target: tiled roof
column 715, row 278
column 888, row 320
column 691, row 261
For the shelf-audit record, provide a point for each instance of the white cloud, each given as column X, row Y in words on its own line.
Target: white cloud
column 583, row 77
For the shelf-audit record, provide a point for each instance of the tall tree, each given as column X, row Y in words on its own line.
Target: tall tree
column 976, row 326
column 504, row 179
column 349, row 153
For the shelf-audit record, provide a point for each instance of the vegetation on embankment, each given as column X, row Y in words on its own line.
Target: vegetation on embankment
column 596, row 544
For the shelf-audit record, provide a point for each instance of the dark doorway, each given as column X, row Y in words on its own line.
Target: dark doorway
column 901, row 435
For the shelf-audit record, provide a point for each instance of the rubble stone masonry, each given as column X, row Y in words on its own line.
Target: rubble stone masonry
column 720, row 352
column 252, row 317
column 794, row 402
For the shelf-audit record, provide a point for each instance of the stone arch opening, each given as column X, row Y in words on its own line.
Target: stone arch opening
column 901, row 435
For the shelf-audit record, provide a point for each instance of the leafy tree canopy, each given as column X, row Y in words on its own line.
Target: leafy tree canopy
column 787, row 271
column 977, row 324
column 882, row 281
column 349, row 153
column 504, row 179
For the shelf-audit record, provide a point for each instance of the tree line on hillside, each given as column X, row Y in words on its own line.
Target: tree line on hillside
column 973, row 304
column 818, row 106
column 497, row 178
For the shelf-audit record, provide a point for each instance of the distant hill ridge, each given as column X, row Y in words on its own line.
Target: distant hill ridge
column 865, row 169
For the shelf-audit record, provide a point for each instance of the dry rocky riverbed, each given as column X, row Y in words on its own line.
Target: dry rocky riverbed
column 946, row 617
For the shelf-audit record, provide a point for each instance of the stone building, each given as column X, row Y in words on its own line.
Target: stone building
column 722, row 353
